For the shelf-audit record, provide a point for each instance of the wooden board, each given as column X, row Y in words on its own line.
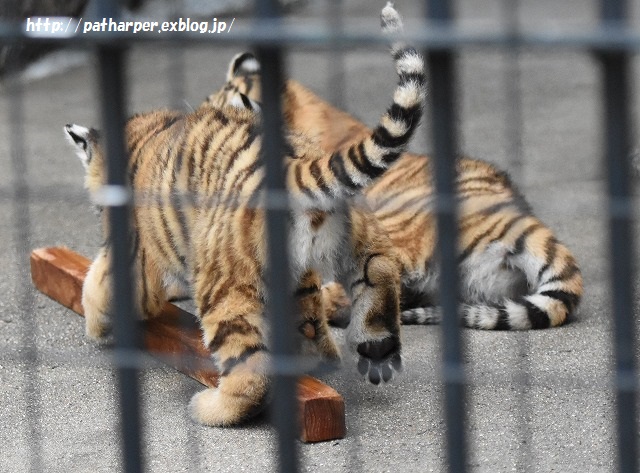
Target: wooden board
column 59, row 273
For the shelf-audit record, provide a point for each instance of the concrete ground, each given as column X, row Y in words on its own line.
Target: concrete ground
column 538, row 401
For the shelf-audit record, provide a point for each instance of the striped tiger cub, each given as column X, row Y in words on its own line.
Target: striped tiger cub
column 515, row 274
column 198, row 180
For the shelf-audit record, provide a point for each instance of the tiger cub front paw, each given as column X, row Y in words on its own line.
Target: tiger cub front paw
column 379, row 359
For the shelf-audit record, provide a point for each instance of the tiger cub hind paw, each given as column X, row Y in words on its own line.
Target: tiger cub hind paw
column 215, row 408
column 380, row 359
column 336, row 304
column 241, row 394
column 97, row 328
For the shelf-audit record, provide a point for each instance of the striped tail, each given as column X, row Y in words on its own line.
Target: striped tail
column 319, row 181
column 556, row 290
column 556, row 295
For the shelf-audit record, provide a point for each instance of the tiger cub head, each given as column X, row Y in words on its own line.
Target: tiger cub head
column 86, row 142
column 304, row 112
column 243, row 80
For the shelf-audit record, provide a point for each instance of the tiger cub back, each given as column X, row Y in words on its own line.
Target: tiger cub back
column 515, row 274
column 198, row 180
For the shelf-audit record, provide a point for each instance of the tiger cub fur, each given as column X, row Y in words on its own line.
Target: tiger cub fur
column 515, row 274
column 198, row 180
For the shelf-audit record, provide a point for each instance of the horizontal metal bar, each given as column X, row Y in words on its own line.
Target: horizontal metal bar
column 425, row 35
column 591, row 206
column 117, row 358
column 431, row 374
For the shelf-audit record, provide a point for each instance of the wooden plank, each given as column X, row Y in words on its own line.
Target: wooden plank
column 321, row 411
column 59, row 273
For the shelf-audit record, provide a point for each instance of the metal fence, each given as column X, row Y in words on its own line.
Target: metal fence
column 612, row 41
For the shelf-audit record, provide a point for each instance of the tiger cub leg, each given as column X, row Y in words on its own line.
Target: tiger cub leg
column 149, row 294
column 374, row 330
column 232, row 324
column 96, row 296
column 337, row 306
column 314, row 325
column 176, row 290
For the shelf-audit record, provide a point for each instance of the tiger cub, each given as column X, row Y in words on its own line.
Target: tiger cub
column 515, row 274
column 199, row 179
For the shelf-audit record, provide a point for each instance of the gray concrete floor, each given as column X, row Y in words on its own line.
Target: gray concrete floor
column 538, row 401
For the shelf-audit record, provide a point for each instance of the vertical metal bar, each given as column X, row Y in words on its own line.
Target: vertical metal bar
column 616, row 97
column 279, row 303
column 513, row 92
column 443, row 120
column 112, row 93
column 513, row 128
column 21, row 220
column 336, row 66
column 125, row 327
column 177, row 64
column 176, row 77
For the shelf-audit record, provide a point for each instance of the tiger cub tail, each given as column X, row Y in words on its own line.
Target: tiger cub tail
column 553, row 280
column 317, row 181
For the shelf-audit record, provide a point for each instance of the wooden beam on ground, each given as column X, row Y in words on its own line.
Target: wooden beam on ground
column 59, row 273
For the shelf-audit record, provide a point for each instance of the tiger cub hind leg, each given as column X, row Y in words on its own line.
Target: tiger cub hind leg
column 374, row 330
column 424, row 315
column 176, row 289
column 336, row 304
column 524, row 280
column 149, row 295
column 232, row 324
column 337, row 309
column 553, row 282
column 96, row 297
column 314, row 326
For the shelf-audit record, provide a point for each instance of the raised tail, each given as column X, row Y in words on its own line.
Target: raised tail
column 327, row 177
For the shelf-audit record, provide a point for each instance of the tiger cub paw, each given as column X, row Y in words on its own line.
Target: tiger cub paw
column 317, row 340
column 216, row 408
column 97, row 323
column 380, row 359
column 337, row 305
column 241, row 393
column 97, row 330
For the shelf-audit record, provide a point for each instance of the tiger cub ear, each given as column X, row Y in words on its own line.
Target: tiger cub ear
column 242, row 64
column 240, row 100
column 83, row 139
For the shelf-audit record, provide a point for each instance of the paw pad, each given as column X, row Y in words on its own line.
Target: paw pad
column 380, row 359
